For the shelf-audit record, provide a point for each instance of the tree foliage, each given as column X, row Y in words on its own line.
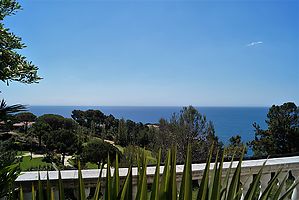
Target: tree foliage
column 7, row 154
column 13, row 66
column 97, row 151
column 58, row 134
column 25, row 117
column 282, row 135
column 92, row 119
column 124, row 132
column 235, row 147
column 40, row 129
column 9, row 170
column 189, row 126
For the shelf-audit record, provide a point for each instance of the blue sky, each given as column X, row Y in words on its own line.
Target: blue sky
column 155, row 53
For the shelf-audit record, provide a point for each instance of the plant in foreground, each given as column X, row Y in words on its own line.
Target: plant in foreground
column 212, row 186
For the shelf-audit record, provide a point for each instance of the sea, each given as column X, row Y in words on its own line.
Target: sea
column 228, row 121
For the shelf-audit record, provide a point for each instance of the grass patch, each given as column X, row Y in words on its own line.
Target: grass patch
column 34, row 164
column 91, row 166
column 21, row 153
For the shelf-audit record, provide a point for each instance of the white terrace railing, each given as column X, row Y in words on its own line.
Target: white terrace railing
column 289, row 165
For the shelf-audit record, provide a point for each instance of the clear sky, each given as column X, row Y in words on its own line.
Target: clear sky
column 159, row 53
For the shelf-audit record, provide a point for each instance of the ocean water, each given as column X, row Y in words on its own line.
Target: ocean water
column 228, row 121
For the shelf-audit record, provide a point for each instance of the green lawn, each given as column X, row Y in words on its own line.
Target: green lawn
column 35, row 163
column 20, row 153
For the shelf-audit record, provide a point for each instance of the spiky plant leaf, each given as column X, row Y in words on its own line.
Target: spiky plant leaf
column 108, row 187
column 8, row 175
column 139, row 159
column 142, row 179
column 216, row 192
column 212, row 186
column 226, row 179
column 155, row 186
column 125, row 190
column 186, row 185
column 81, row 188
column 115, row 186
column 203, row 187
column 267, row 192
column 6, row 110
column 234, row 188
column 52, row 194
column 21, row 193
column 98, row 187
column 254, row 187
column 165, row 177
column 32, row 191
column 143, row 191
column 60, row 186
column 48, row 187
column 40, row 188
column 279, row 189
column 172, row 185
column 289, row 191
column 129, row 194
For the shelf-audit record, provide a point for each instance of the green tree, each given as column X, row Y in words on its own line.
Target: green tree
column 122, row 133
column 282, row 135
column 9, row 170
column 189, row 126
column 96, row 151
column 13, row 66
column 110, row 127
column 91, row 119
column 54, row 121
column 65, row 142
column 235, row 147
column 40, row 129
column 25, row 117
column 7, row 154
column 58, row 134
column 111, row 123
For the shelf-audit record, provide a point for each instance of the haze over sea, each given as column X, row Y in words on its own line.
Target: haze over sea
column 228, row 121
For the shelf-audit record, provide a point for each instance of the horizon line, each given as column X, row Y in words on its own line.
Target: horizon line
column 228, row 106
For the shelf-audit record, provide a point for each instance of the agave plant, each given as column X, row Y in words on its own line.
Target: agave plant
column 212, row 186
